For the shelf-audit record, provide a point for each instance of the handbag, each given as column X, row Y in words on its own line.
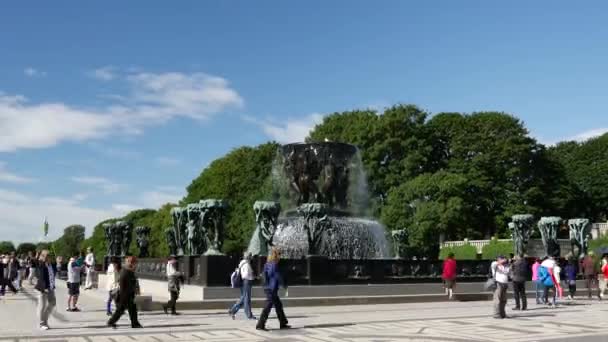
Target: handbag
column 490, row 285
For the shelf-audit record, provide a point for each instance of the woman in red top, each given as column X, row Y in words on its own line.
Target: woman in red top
column 449, row 275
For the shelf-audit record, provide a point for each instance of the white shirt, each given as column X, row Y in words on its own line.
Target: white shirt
column 549, row 263
column 246, row 270
column 502, row 274
column 90, row 260
column 556, row 271
column 73, row 273
column 112, row 275
column 171, row 269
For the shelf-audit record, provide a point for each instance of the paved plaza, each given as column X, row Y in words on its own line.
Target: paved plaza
column 580, row 320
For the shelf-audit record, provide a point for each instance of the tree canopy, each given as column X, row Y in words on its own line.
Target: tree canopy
column 443, row 176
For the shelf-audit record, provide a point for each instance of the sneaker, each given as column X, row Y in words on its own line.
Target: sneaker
column 286, row 326
column 111, row 325
column 44, row 327
column 569, row 297
column 69, row 309
column 261, row 328
column 136, row 326
column 75, row 310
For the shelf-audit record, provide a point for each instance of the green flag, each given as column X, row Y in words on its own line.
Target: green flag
column 46, row 226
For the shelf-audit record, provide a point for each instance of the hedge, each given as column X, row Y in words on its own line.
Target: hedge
column 496, row 248
column 464, row 252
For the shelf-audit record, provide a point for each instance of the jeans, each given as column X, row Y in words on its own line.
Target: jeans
column 572, row 287
column 539, row 292
column 120, row 310
column 272, row 299
column 46, row 304
column 546, row 293
column 500, row 300
column 109, row 303
column 245, row 300
column 519, row 294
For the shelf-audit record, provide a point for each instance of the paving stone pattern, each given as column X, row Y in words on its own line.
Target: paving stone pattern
column 579, row 320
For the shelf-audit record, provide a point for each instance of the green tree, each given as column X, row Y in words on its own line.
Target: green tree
column 6, row 247
column 69, row 243
column 429, row 206
column 26, row 247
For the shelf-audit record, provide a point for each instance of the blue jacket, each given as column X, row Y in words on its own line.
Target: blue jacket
column 273, row 277
column 570, row 271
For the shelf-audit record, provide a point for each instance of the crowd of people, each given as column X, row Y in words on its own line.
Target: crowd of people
column 551, row 276
column 123, row 287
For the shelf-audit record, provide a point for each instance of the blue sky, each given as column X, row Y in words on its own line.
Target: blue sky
column 119, row 105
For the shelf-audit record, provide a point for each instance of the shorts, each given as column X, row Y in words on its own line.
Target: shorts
column 449, row 284
column 74, row 289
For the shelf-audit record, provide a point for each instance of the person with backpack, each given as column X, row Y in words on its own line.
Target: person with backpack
column 571, row 270
column 519, row 275
column 243, row 278
column 500, row 271
column 547, row 276
column 272, row 281
column 173, row 279
column 74, row 270
column 538, row 286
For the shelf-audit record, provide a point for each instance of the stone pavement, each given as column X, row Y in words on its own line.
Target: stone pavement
column 579, row 320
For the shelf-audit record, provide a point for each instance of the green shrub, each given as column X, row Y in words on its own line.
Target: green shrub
column 464, row 252
column 496, row 248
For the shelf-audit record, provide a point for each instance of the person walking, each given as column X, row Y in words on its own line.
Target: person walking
column 112, row 277
column 519, row 275
column 501, row 275
column 45, row 285
column 591, row 275
column 126, row 295
column 449, row 275
column 603, row 277
column 89, row 261
column 273, row 280
column 22, row 271
column 538, row 286
column 74, row 270
column 173, row 280
column 10, row 270
column 33, row 265
column 571, row 271
column 245, row 271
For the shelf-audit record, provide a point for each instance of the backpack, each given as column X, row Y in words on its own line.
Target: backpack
column 544, row 276
column 235, row 278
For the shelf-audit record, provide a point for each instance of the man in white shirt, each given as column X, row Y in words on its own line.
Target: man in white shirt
column 90, row 264
column 247, row 276
column 73, row 284
column 501, row 275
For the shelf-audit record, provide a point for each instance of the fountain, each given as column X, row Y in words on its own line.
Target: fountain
column 324, row 187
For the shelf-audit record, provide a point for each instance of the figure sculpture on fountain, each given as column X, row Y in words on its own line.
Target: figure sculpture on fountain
column 195, row 236
column 548, row 227
column 180, row 221
column 266, row 217
column 143, row 237
column 316, row 223
column 171, row 242
column 212, row 221
column 400, row 238
column 520, row 227
column 579, row 236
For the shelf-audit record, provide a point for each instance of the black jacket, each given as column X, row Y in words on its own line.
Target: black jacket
column 42, row 274
column 128, row 285
column 520, row 270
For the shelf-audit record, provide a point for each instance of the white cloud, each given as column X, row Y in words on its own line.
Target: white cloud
column 22, row 215
column 31, row 72
column 106, row 185
column 291, row 130
column 106, row 73
column 589, row 134
column 8, row 177
column 580, row 137
column 167, row 161
column 152, row 99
